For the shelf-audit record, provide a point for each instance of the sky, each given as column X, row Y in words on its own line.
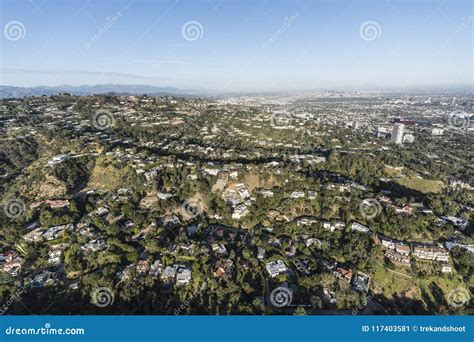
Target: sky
column 237, row 45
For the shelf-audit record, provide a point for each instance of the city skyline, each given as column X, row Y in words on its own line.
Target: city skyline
column 229, row 46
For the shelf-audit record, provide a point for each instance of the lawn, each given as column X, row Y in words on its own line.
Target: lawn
column 421, row 184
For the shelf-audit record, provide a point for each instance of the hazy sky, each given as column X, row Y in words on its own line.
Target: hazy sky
column 237, row 45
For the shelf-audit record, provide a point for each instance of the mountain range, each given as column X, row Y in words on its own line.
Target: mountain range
column 18, row 92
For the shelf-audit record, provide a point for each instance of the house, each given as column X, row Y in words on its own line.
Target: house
column 361, row 282
column 449, row 245
column 329, row 264
column 183, row 275
column 240, row 211
column 445, row 267
column 313, row 241
column 142, row 267
column 10, row 256
column 343, row 274
column 169, row 274
column 312, row 194
column 402, row 249
column 223, row 266
column 164, row 195
column 35, row 236
column 305, row 221
column 94, row 246
column 219, row 250
column 359, row 227
column 170, row 220
column 344, row 187
column 12, row 263
column 398, row 258
column 387, row 243
column 101, row 211
column 86, row 231
column 303, row 267
column 44, row 278
column 150, row 175
column 126, row 272
column 459, row 223
column 260, row 253
column 128, row 224
column 404, row 210
column 186, row 248
column 385, row 200
column 210, row 171
column 297, row 194
column 266, row 193
column 55, row 253
column 53, row 232
column 332, row 226
column 242, row 190
column 431, row 252
column 155, row 269
column 275, row 268
column 55, row 204
column 424, row 210
column 58, row 159
column 275, row 242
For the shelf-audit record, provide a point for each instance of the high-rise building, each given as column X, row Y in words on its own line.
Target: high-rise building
column 397, row 133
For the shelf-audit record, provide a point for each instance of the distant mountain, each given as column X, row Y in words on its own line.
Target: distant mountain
column 18, row 92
